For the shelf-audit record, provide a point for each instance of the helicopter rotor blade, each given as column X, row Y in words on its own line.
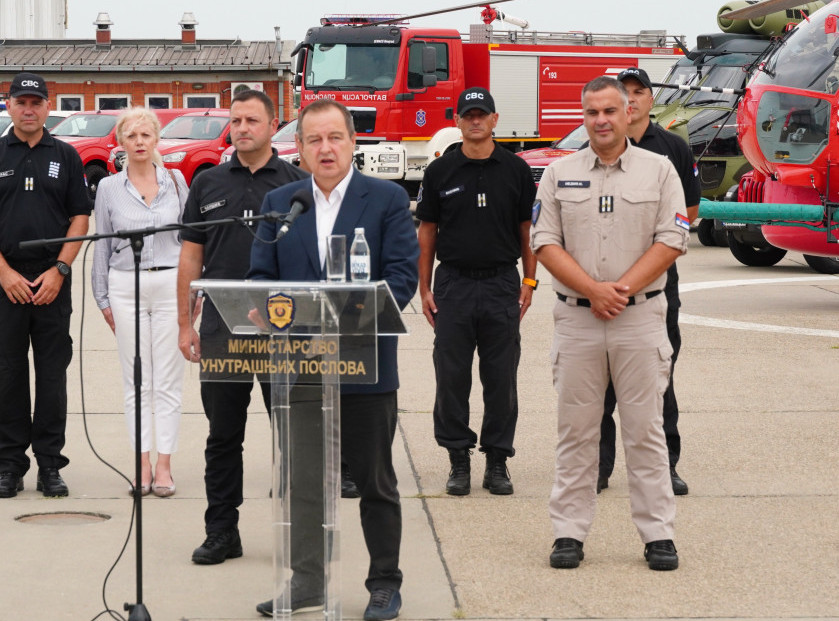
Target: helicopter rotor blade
column 438, row 12
column 762, row 8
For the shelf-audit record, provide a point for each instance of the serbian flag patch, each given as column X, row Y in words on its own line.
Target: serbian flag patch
column 682, row 221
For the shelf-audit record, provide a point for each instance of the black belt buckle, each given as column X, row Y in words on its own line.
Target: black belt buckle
column 159, row 269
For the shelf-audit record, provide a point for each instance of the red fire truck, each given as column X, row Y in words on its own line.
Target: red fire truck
column 401, row 83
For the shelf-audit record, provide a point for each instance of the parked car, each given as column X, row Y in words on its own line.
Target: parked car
column 282, row 141
column 192, row 142
column 93, row 134
column 539, row 159
column 54, row 118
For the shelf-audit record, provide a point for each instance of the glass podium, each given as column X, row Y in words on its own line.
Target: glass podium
column 305, row 338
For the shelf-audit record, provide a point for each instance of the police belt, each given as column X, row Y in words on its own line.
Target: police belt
column 483, row 274
column 635, row 299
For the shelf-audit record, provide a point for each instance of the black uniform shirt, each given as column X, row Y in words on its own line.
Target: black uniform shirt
column 224, row 191
column 41, row 188
column 478, row 206
column 659, row 140
column 231, row 190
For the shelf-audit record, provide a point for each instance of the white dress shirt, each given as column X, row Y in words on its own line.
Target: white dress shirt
column 326, row 211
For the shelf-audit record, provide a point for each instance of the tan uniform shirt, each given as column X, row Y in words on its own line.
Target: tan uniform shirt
column 606, row 217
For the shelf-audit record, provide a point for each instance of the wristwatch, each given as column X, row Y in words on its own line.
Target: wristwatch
column 531, row 282
column 62, row 268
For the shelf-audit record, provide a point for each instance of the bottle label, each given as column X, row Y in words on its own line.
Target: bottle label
column 360, row 267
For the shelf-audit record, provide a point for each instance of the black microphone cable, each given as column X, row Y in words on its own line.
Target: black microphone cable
column 108, row 610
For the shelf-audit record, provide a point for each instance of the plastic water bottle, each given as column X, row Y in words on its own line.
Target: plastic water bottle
column 359, row 257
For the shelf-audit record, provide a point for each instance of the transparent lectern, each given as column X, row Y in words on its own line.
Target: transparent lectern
column 306, row 338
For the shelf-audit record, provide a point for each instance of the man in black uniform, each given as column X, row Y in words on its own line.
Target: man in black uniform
column 235, row 188
column 474, row 209
column 42, row 196
column 652, row 137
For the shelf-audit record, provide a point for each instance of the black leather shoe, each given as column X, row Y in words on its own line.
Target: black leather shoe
column 218, row 547
column 10, row 484
column 384, row 604
column 348, row 487
column 661, row 555
column 459, row 483
column 680, row 488
column 311, row 604
column 602, row 483
column 496, row 475
column 567, row 553
column 51, row 483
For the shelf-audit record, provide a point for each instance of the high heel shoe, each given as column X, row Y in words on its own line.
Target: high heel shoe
column 144, row 489
column 164, row 491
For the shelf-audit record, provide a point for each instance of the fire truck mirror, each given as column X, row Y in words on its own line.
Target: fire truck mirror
column 429, row 62
column 429, row 80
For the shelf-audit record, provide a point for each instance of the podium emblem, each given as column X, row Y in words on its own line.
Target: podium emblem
column 280, row 311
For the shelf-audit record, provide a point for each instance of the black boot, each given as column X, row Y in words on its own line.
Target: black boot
column 459, row 483
column 496, row 475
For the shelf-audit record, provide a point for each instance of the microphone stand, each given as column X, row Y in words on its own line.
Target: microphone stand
column 135, row 237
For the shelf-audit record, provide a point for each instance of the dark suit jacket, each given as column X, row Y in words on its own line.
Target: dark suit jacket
column 382, row 208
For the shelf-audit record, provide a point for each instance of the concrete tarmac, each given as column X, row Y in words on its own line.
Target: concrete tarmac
column 758, row 535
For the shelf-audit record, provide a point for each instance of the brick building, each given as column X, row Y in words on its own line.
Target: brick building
column 102, row 73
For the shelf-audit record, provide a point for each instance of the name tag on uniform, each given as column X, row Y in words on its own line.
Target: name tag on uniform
column 7, row 173
column 573, row 184
column 452, row 191
column 212, row 206
column 607, row 204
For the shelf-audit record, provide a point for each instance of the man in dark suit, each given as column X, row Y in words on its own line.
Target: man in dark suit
column 345, row 199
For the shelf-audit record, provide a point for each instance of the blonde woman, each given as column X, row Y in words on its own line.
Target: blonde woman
column 144, row 195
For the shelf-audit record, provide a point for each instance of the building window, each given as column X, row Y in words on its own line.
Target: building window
column 201, row 101
column 158, row 102
column 71, row 103
column 112, row 102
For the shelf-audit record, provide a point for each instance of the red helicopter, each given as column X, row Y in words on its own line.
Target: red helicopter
column 788, row 128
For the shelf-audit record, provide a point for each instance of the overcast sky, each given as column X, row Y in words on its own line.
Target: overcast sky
column 255, row 19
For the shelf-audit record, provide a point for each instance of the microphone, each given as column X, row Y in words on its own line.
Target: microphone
column 301, row 201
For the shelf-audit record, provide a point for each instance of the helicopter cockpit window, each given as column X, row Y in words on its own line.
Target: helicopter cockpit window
column 352, row 67
column 792, row 128
column 722, row 77
column 807, row 59
column 678, row 75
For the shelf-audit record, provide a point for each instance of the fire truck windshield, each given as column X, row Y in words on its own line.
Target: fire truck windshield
column 806, row 60
column 352, row 67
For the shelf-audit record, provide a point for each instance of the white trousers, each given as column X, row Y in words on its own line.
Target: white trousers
column 162, row 363
column 634, row 350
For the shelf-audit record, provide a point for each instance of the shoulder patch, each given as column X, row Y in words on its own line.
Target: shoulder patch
column 535, row 212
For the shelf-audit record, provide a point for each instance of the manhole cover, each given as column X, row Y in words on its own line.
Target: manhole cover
column 63, row 518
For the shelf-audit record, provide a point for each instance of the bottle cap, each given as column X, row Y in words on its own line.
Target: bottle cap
column 360, row 230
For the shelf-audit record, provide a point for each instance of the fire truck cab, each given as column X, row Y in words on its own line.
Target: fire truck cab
column 401, row 83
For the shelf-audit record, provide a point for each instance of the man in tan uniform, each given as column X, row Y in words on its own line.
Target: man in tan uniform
column 607, row 223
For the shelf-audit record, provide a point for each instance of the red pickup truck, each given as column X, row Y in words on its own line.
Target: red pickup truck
column 93, row 134
column 192, row 143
